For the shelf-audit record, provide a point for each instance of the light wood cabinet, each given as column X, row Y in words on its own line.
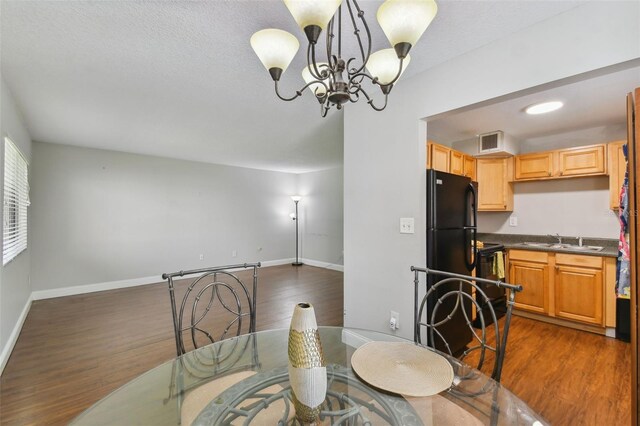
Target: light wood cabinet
column 565, row 287
column 456, row 162
column 582, row 161
column 495, row 187
column 534, row 278
column 445, row 159
column 534, row 166
column 578, row 289
column 439, row 157
column 470, row 167
column 562, row 163
column 617, row 165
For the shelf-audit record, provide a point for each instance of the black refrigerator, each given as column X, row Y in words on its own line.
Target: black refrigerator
column 451, row 246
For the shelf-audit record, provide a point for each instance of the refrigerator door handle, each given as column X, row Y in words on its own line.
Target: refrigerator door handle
column 471, row 254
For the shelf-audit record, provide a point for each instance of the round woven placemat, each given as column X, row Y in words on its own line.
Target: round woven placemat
column 403, row 368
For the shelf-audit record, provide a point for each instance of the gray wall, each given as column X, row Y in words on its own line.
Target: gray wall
column 321, row 215
column 384, row 153
column 100, row 216
column 15, row 288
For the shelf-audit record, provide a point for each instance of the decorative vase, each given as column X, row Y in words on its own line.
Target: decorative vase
column 307, row 367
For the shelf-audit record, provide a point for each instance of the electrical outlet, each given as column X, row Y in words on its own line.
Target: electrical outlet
column 394, row 320
column 234, row 253
column 407, row 225
column 202, row 257
column 513, row 221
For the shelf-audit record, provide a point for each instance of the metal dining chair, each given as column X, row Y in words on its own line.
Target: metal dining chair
column 457, row 296
column 214, row 305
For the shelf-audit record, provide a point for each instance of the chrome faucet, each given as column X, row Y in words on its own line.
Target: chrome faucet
column 579, row 241
column 556, row 236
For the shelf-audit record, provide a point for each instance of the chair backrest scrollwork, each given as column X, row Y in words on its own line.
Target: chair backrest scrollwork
column 214, row 305
column 455, row 296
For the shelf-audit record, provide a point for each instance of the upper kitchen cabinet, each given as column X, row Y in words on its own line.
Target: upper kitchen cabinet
column 582, row 161
column 470, row 167
column 562, row 163
column 445, row 159
column 456, row 162
column 534, row 166
column 617, row 164
column 495, row 187
column 438, row 157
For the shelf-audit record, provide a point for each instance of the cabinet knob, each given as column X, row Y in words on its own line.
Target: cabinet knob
column 548, row 173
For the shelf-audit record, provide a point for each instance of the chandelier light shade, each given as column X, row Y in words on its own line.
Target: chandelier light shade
column 275, row 48
column 312, row 12
column 404, row 21
column 333, row 77
column 384, row 64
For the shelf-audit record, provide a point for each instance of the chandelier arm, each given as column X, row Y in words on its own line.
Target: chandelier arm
column 299, row 92
column 330, row 43
column 370, row 101
column 356, row 32
column 324, row 108
column 397, row 75
column 362, row 75
column 365, row 58
column 311, row 62
column 339, row 31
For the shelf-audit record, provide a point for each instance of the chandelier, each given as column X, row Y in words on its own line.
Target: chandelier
column 335, row 80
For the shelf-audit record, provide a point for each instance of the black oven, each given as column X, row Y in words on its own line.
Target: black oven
column 487, row 267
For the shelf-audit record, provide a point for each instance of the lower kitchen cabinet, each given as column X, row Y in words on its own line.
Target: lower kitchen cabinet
column 533, row 275
column 578, row 294
column 561, row 286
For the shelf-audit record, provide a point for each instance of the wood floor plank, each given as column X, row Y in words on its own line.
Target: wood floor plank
column 75, row 350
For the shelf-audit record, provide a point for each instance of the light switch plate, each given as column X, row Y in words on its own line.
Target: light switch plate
column 407, row 225
column 513, row 221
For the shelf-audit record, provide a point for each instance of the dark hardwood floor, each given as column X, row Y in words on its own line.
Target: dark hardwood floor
column 74, row 350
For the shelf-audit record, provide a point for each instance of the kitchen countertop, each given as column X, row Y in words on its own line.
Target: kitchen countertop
column 515, row 241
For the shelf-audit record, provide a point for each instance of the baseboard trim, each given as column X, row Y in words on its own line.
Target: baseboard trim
column 326, row 265
column 92, row 288
column 113, row 285
column 13, row 337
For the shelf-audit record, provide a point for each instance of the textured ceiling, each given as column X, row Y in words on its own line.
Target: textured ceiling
column 595, row 102
column 179, row 79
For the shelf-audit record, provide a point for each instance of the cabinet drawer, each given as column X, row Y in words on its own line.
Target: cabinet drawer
column 529, row 256
column 579, row 260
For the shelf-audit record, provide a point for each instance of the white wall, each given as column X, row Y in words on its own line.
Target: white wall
column 572, row 207
column 385, row 152
column 101, row 216
column 321, row 215
column 15, row 288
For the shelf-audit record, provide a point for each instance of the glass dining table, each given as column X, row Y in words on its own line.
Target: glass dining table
column 245, row 380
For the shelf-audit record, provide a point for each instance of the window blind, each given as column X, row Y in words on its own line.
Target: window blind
column 16, row 200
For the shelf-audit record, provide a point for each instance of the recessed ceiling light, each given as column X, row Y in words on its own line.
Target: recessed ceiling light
column 544, row 107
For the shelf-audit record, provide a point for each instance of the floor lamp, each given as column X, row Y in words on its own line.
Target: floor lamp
column 296, row 199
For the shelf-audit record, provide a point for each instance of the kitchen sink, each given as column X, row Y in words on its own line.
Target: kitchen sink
column 549, row 245
column 564, row 246
column 581, row 248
